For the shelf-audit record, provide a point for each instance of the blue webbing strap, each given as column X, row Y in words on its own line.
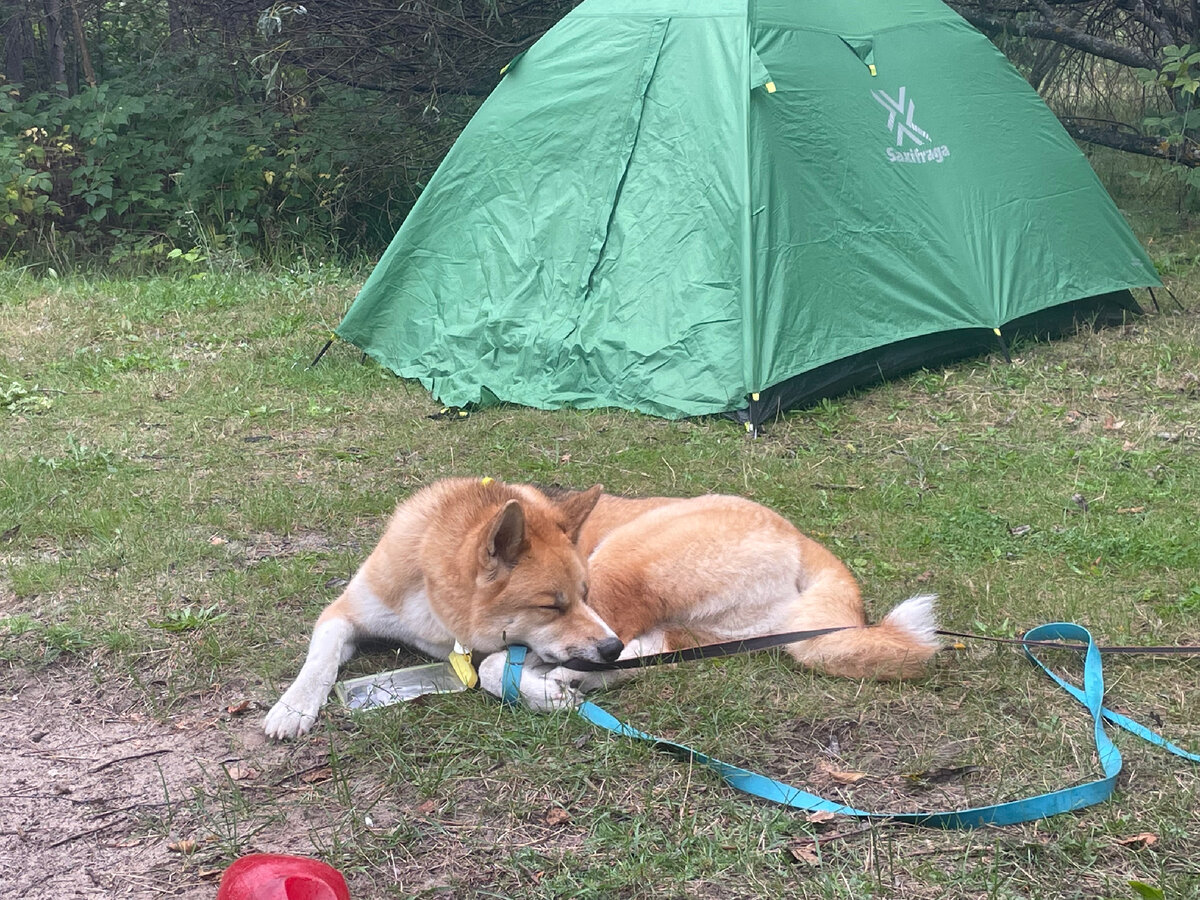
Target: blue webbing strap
column 510, row 680
column 1011, row 813
column 1076, row 632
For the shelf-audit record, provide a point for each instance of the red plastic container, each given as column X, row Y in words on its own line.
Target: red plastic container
column 272, row 876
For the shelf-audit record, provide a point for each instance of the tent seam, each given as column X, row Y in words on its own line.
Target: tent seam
column 639, row 107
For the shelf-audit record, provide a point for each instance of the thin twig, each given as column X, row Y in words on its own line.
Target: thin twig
column 839, row 835
column 82, row 834
column 300, row 772
column 113, row 762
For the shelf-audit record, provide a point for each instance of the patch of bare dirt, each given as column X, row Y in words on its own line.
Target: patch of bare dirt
column 102, row 800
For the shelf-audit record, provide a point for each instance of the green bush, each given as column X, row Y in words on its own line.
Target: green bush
column 132, row 170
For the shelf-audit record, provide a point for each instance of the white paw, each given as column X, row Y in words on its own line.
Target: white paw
column 550, row 695
column 541, row 690
column 491, row 674
column 292, row 716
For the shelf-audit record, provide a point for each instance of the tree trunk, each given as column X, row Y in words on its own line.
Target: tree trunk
column 56, row 57
column 14, row 33
column 85, row 58
column 177, row 39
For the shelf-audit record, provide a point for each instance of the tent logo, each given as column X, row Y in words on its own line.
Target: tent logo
column 903, row 128
column 900, row 111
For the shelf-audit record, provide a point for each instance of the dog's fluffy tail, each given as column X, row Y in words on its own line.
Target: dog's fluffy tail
column 898, row 647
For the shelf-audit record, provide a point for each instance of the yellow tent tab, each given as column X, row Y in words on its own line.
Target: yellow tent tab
column 512, row 62
column 770, row 87
column 460, row 662
column 872, row 68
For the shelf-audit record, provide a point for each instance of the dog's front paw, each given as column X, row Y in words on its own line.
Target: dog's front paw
column 550, row 695
column 491, row 674
column 292, row 716
column 541, row 688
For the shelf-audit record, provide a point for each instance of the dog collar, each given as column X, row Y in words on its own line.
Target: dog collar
column 460, row 662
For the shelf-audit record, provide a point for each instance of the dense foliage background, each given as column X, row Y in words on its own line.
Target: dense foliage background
column 147, row 130
column 138, row 128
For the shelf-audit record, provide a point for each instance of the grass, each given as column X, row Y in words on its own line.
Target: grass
column 180, row 494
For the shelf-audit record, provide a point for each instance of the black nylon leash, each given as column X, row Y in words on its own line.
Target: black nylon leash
column 706, row 651
column 1160, row 650
column 765, row 642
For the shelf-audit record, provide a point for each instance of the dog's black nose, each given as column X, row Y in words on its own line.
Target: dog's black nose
column 610, row 648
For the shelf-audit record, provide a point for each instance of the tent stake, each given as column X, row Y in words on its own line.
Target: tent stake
column 1003, row 345
column 1171, row 294
column 317, row 358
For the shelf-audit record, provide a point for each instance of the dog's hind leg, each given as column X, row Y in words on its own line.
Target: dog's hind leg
column 332, row 643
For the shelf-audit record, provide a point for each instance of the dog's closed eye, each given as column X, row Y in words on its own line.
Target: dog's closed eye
column 559, row 604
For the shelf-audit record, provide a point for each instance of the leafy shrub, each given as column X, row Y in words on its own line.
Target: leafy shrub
column 205, row 170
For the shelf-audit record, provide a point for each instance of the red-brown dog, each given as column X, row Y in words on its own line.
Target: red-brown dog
column 484, row 564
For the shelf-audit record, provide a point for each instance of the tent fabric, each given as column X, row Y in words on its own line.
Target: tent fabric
column 674, row 205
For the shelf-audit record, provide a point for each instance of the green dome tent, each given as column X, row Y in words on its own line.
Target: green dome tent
column 688, row 207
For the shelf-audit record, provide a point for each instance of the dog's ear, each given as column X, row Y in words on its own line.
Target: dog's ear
column 504, row 538
column 574, row 509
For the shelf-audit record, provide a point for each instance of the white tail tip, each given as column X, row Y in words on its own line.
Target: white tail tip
column 916, row 617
